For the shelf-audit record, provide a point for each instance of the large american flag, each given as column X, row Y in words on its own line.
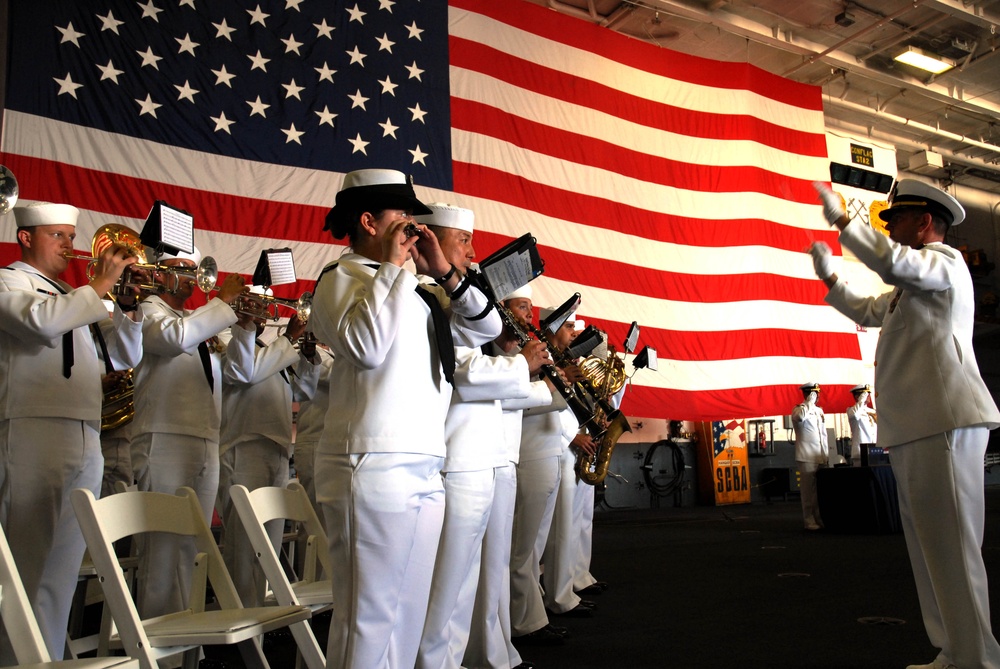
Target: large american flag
column 670, row 190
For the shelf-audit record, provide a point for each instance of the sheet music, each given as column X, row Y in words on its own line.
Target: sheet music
column 509, row 273
column 281, row 266
column 176, row 229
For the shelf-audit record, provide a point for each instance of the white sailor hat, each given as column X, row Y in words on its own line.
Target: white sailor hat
column 45, row 213
column 522, row 292
column 448, row 216
column 194, row 256
column 548, row 311
column 811, row 387
column 910, row 193
column 861, row 388
column 374, row 188
column 261, row 290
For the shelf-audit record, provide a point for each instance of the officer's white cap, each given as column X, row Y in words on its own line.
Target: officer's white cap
column 912, row 193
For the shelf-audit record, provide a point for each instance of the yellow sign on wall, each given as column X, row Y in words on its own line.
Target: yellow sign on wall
column 723, row 463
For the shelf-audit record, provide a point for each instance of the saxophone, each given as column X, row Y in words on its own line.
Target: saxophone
column 602, row 379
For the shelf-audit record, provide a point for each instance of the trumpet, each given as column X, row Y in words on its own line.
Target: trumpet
column 265, row 307
column 204, row 276
column 8, row 190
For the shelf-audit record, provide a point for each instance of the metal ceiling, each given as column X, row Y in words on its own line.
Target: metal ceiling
column 847, row 48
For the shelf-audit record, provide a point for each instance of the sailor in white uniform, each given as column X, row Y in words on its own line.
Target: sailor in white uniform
column 811, row 451
column 260, row 383
column 490, row 645
column 50, row 402
column 861, row 418
column 475, row 446
column 378, row 464
column 175, row 432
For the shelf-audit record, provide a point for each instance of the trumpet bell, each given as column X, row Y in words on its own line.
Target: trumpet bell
column 208, row 274
column 8, row 190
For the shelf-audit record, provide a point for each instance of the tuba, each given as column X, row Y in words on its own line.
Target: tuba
column 118, row 408
column 603, row 378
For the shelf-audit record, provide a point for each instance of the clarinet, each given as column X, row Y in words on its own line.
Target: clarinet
column 583, row 413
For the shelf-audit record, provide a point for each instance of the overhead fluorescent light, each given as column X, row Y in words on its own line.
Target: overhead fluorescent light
column 925, row 61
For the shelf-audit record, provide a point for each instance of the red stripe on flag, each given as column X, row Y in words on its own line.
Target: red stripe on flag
column 722, row 404
column 633, row 53
column 564, row 145
column 219, row 212
column 690, row 345
column 587, row 210
column 575, row 90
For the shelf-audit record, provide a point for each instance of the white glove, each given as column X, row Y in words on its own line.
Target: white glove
column 822, row 259
column 833, row 210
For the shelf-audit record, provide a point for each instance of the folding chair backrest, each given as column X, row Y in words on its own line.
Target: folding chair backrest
column 291, row 503
column 107, row 520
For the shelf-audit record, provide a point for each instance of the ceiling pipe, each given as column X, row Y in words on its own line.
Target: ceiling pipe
column 847, row 40
column 736, row 25
column 913, row 145
column 933, row 130
column 905, row 35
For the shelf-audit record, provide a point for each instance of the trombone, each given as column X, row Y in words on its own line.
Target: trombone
column 204, row 276
column 265, row 307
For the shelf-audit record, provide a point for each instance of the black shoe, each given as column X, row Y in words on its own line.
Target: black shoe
column 525, row 665
column 588, row 604
column 578, row 611
column 540, row 637
column 595, row 588
column 561, row 631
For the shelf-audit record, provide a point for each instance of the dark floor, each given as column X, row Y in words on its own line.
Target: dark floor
column 744, row 587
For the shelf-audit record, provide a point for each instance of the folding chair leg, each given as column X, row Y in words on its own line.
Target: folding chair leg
column 253, row 654
column 307, row 647
column 192, row 658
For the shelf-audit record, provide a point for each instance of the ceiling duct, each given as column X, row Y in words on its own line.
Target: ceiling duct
column 957, row 49
column 928, row 163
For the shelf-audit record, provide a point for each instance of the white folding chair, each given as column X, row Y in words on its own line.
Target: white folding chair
column 272, row 503
column 107, row 520
column 78, row 645
column 22, row 628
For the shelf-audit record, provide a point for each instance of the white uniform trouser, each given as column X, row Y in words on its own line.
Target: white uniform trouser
column 583, row 513
column 939, row 480
column 43, row 459
column 254, row 464
column 383, row 514
column 537, row 484
column 489, row 640
column 809, row 495
column 468, row 500
column 164, row 463
column 560, row 556
column 117, row 463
